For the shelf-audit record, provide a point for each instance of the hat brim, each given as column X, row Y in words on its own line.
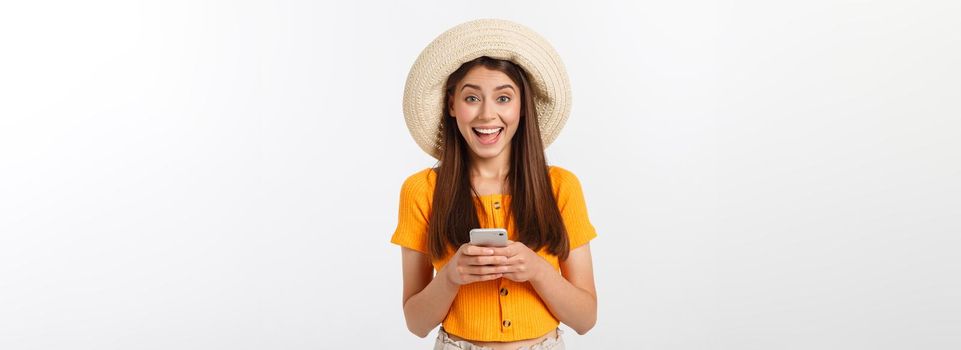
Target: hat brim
column 500, row 39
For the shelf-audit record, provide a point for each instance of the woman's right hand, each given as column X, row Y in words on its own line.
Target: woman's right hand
column 473, row 263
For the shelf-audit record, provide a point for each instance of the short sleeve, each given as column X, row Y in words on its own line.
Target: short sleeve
column 570, row 202
column 413, row 213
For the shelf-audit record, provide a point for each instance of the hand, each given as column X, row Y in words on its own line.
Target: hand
column 473, row 263
column 523, row 264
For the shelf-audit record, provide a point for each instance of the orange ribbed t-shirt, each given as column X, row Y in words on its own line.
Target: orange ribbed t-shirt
column 501, row 309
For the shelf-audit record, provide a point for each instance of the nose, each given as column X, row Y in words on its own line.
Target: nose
column 488, row 111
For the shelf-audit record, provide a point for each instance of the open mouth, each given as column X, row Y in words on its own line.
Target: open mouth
column 488, row 136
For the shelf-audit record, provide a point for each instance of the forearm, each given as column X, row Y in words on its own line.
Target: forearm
column 428, row 308
column 574, row 306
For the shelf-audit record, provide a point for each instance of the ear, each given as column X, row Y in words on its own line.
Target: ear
column 450, row 108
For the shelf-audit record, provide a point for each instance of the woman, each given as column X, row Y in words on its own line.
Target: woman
column 485, row 98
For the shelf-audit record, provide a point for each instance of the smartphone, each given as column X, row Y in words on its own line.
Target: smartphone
column 488, row 237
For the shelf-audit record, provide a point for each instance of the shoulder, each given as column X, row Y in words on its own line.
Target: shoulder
column 561, row 177
column 556, row 171
column 420, row 182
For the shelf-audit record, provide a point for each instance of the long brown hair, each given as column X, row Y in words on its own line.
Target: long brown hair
column 537, row 219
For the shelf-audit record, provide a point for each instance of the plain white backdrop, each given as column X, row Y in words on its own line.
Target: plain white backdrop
column 225, row 175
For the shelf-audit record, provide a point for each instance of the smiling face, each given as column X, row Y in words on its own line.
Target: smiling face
column 487, row 106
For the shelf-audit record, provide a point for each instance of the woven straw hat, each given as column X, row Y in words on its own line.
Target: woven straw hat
column 424, row 92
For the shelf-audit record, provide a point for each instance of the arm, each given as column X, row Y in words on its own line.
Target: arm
column 570, row 295
column 426, row 299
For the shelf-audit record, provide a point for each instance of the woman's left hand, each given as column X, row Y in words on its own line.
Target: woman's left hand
column 523, row 264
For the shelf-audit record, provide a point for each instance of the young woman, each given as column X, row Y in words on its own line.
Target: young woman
column 485, row 98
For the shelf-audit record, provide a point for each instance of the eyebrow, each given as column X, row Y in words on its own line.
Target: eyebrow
column 505, row 86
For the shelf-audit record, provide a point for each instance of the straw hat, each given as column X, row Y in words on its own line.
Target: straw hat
column 424, row 92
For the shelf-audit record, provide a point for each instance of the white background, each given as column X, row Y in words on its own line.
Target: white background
column 225, row 175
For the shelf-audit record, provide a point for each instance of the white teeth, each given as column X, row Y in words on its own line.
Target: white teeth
column 488, row 131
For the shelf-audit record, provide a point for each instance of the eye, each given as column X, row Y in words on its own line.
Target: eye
column 503, row 99
column 471, row 99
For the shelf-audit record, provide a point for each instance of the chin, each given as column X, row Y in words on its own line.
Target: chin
column 485, row 155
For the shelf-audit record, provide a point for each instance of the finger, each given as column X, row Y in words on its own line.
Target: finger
column 516, row 277
column 492, row 276
column 479, row 278
column 519, row 266
column 477, row 250
column 487, row 260
column 516, row 260
column 485, row 270
column 507, row 251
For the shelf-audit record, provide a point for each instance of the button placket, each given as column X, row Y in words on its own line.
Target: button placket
column 495, row 204
column 491, row 220
column 500, row 213
column 505, row 305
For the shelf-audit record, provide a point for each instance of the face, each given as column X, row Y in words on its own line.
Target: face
column 487, row 106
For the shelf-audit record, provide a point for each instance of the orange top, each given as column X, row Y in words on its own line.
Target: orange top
column 501, row 309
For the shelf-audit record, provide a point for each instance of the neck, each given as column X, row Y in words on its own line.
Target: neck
column 491, row 168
